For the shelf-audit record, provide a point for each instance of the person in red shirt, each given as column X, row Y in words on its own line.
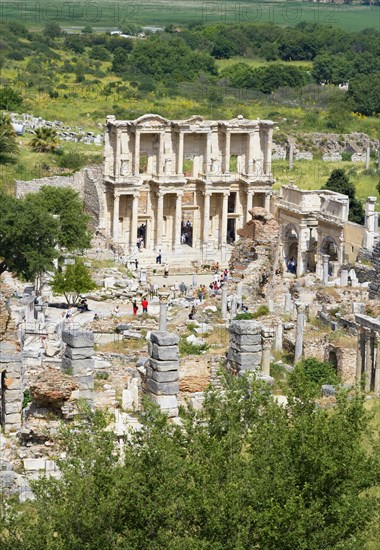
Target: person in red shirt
column 145, row 304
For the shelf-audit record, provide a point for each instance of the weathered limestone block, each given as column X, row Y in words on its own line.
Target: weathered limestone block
column 52, row 389
column 79, row 353
column 160, row 388
column 13, row 418
column 165, row 353
column 163, row 366
column 78, row 366
column 245, row 348
column 12, row 408
column 78, row 338
column 85, row 383
column 168, row 376
column 167, row 403
column 245, row 327
column 12, row 383
column 164, row 338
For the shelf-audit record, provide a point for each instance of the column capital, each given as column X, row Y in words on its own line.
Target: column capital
column 300, row 307
column 226, row 194
column 207, row 193
column 179, row 194
column 136, row 194
column 117, row 194
column 159, row 194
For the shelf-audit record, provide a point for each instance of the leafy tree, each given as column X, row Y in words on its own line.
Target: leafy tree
column 100, row 52
column 45, row 140
column 8, row 144
column 87, row 30
column 365, row 92
column 339, row 182
column 244, row 472
column 28, row 237
column 73, row 282
column 75, row 43
column 52, row 30
column 120, row 61
column 10, row 99
column 67, row 207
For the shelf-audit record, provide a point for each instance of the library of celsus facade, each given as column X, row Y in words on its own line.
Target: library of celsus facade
column 184, row 184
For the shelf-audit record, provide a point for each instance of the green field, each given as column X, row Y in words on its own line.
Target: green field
column 114, row 14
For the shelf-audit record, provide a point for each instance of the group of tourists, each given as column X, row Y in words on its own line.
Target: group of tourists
column 144, row 305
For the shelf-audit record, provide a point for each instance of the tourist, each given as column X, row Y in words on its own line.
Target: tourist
column 151, row 291
column 116, row 311
column 159, row 257
column 192, row 313
column 135, row 307
column 200, row 294
column 96, row 317
column 144, row 303
column 182, row 288
column 136, row 264
column 166, row 270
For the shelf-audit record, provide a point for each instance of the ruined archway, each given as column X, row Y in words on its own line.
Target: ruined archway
column 330, row 248
column 290, row 247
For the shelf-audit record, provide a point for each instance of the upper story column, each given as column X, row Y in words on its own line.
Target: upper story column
column 159, row 218
column 206, row 216
column 180, row 153
column 208, row 152
column 251, row 154
column 223, row 229
column 118, row 154
column 115, row 225
column 178, row 219
column 136, row 164
column 134, row 220
column 227, row 153
column 161, row 148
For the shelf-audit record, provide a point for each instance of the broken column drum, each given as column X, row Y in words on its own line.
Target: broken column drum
column 162, row 371
column 299, row 332
column 267, row 341
column 245, row 351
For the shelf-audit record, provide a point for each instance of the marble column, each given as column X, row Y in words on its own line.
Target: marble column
column 136, row 164
column 376, row 388
column 360, row 355
column 206, row 216
column 134, row 220
column 369, row 354
column 162, row 320
column 239, row 293
column 159, row 219
column 267, row 202
column 299, row 332
column 160, row 156
column 266, row 342
column 233, row 306
column 180, row 153
column 115, row 227
column 178, row 219
column 227, row 153
column 223, row 229
column 325, row 268
column 288, row 306
column 224, row 301
column 117, row 155
column 208, row 153
column 251, row 164
column 278, row 336
column 249, row 205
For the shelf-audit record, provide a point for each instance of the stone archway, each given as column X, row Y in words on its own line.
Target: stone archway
column 290, row 246
column 330, row 248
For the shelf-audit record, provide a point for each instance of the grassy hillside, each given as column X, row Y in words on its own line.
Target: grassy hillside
column 109, row 14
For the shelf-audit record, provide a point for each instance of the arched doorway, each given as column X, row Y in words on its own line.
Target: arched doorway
column 330, row 248
column 290, row 240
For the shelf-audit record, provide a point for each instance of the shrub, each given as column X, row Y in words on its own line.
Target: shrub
column 187, row 348
column 244, row 316
column 260, row 311
column 312, row 373
column 72, row 160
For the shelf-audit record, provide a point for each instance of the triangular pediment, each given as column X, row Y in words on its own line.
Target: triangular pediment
column 151, row 120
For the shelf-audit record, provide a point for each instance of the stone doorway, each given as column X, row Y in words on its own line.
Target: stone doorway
column 231, row 235
column 333, row 360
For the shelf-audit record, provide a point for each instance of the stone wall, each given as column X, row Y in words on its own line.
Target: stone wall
column 374, row 287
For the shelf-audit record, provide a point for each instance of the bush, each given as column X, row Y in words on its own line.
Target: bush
column 244, row 316
column 260, row 312
column 312, row 373
column 72, row 160
column 187, row 348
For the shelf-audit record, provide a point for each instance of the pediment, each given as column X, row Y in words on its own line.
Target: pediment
column 151, row 120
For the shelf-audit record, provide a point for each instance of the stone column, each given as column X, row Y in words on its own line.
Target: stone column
column 115, row 226
column 291, row 154
column 251, row 164
column 288, row 306
column 360, row 356
column 267, row 202
column 159, row 218
column 369, row 355
column 266, row 342
column 180, row 154
column 376, row 388
column 208, row 153
column 299, row 332
column 163, row 296
column 160, row 156
column 245, row 351
column 78, row 359
column 344, row 277
column 233, row 306
column 224, row 301
column 223, row 229
column 325, row 268
column 227, row 153
column 278, row 336
column 239, row 293
column 134, row 220
column 178, row 219
column 136, row 167
column 117, row 155
column 249, row 204
column 206, row 217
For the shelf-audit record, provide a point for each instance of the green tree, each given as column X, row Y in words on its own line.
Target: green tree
column 120, row 61
column 242, row 473
column 9, row 148
column 52, row 30
column 67, row 207
column 312, row 373
column 339, row 182
column 365, row 92
column 74, row 281
column 28, row 237
column 45, row 140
